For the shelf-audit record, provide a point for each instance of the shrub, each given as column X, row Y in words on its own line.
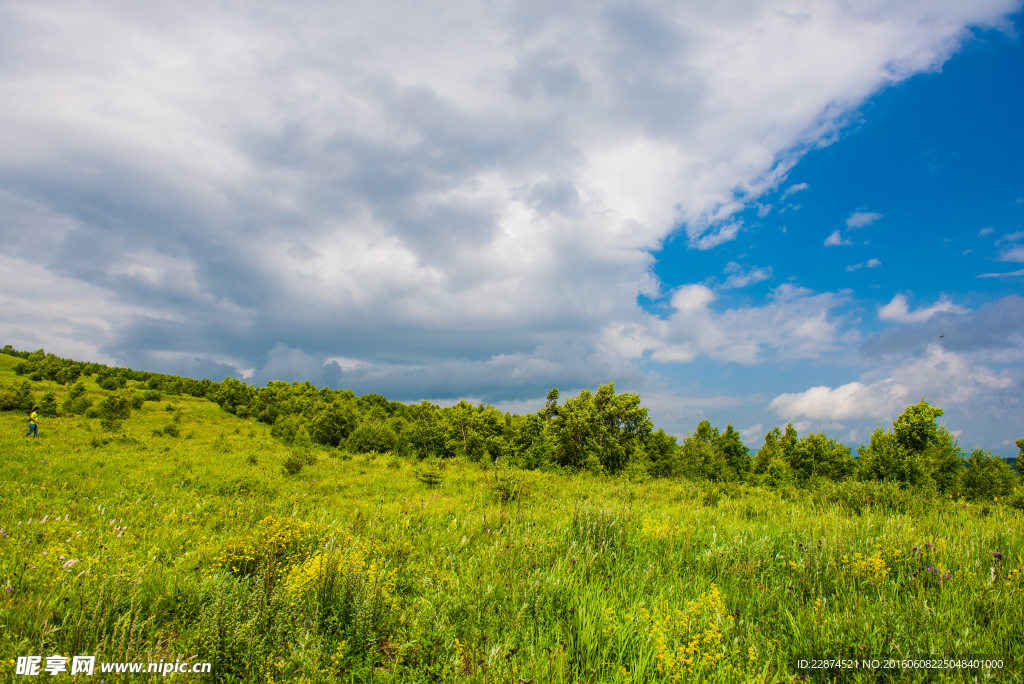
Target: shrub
column 151, row 395
column 135, row 401
column 76, row 403
column 986, row 476
column 115, row 407
column 372, row 435
column 778, row 473
column 292, row 464
column 48, row 404
column 510, row 484
column 332, row 425
column 172, row 430
column 430, row 473
column 16, row 397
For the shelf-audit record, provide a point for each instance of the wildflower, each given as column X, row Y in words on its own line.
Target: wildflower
column 998, row 556
column 10, row 589
column 573, row 560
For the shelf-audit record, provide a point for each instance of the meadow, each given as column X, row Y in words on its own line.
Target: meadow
column 181, row 536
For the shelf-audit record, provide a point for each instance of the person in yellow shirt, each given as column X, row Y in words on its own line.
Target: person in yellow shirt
column 33, row 420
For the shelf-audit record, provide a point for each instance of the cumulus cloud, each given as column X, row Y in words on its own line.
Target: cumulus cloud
column 836, row 239
column 986, row 231
column 898, row 310
column 945, row 377
column 796, row 323
column 425, row 191
column 859, row 219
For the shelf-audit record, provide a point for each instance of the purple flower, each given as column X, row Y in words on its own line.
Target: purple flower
column 10, row 589
column 573, row 560
column 534, row 565
column 998, row 556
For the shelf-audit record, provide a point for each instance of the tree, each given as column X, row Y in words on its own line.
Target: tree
column 917, row 451
column 599, row 431
column 332, row 425
column 986, row 476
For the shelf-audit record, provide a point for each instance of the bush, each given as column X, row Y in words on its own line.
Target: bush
column 151, row 395
column 48, row 404
column 332, row 425
column 172, row 430
column 372, row 435
column 986, row 476
column 293, row 464
column 76, row 403
column 115, row 407
column 430, row 473
column 16, row 397
column 778, row 473
column 135, row 402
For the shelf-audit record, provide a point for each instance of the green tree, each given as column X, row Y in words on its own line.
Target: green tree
column 48, row 404
column 917, row 451
column 600, row 431
column 332, row 424
column 986, row 476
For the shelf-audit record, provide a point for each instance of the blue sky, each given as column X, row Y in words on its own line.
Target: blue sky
column 759, row 213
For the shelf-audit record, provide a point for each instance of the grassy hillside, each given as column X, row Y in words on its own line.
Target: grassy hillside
column 138, row 545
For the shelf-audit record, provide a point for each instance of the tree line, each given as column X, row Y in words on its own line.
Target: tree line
column 602, row 431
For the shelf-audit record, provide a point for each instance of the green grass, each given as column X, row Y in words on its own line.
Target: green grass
column 361, row 568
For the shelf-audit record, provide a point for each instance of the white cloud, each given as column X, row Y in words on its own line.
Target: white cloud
column 859, row 219
column 1015, row 253
column 873, row 263
column 794, row 188
column 1009, row 274
column 898, row 310
column 753, row 433
column 836, row 239
column 796, row 324
column 986, row 231
column 945, row 378
column 740, row 277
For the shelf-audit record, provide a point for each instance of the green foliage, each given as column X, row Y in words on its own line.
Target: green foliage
column 76, row 403
column 17, row 397
column 708, row 454
column 48, row 404
column 917, row 452
column 819, row 455
column 430, row 472
column 293, row 464
column 600, row 431
column 372, row 435
column 987, row 476
column 332, row 424
column 778, row 473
